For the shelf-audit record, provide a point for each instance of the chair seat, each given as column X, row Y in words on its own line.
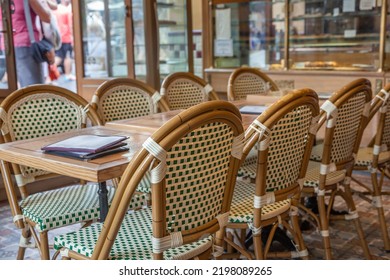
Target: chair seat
column 365, row 156
column 241, row 210
column 312, row 178
column 66, row 206
column 134, row 240
column 316, row 152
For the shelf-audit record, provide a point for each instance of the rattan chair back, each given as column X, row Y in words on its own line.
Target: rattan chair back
column 284, row 134
column 41, row 110
column 183, row 89
column 193, row 160
column 125, row 98
column 249, row 81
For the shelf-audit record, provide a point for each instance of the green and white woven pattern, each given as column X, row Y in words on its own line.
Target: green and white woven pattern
column 242, row 205
column 249, row 165
column 69, row 205
column 249, row 84
column 346, row 128
column 312, row 178
column 63, row 206
column 197, row 168
column 134, row 240
column 184, row 93
column 40, row 115
column 125, row 102
column 286, row 149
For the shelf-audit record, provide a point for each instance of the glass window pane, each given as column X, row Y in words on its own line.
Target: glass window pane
column 139, row 39
column 172, row 19
column 337, row 34
column 104, row 38
column 3, row 64
column 249, row 33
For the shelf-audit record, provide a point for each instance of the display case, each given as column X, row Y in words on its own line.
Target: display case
column 288, row 39
column 127, row 38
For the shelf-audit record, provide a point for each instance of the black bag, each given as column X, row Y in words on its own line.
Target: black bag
column 41, row 50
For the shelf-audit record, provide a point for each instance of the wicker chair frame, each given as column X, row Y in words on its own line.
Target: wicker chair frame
column 182, row 90
column 249, row 81
column 31, row 112
column 345, row 114
column 203, row 145
column 376, row 159
column 125, row 98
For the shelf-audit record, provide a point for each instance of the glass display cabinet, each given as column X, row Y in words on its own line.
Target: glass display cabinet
column 142, row 39
column 287, row 39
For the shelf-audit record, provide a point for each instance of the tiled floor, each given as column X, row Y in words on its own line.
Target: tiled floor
column 344, row 241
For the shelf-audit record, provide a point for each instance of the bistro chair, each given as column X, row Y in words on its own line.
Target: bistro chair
column 193, row 159
column 375, row 159
column 125, row 98
column 344, row 114
column 35, row 111
column 246, row 81
column 183, row 89
column 284, row 134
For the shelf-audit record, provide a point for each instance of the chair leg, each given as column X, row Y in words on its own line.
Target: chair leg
column 44, row 244
column 352, row 210
column 298, row 234
column 324, row 227
column 26, row 237
column 377, row 188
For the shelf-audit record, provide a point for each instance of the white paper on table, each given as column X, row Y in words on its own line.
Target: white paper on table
column 222, row 23
column 348, row 6
column 366, row 4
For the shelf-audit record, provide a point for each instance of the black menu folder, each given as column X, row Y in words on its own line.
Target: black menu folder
column 87, row 147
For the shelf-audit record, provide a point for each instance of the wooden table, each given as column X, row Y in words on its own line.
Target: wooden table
column 28, row 152
column 149, row 124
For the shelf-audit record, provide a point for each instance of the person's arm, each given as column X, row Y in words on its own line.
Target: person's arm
column 41, row 8
column 52, row 4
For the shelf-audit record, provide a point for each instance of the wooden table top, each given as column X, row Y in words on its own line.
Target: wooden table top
column 29, row 153
column 149, row 124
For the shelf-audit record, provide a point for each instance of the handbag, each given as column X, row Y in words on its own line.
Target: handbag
column 51, row 32
column 43, row 50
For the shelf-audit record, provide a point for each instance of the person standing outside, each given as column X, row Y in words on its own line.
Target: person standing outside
column 64, row 56
column 28, row 70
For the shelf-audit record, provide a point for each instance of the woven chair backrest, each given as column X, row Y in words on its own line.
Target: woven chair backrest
column 385, row 119
column 122, row 98
column 42, row 110
column 249, row 81
column 351, row 107
column 286, row 135
column 183, row 90
column 193, row 180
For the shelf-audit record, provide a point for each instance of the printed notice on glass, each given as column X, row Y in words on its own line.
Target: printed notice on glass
column 222, row 24
column 348, row 6
column 349, row 33
column 366, row 4
column 223, row 47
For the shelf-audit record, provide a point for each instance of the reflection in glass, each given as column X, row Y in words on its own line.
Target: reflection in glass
column 249, row 33
column 104, row 41
column 173, row 36
column 139, row 39
column 339, row 35
column 3, row 65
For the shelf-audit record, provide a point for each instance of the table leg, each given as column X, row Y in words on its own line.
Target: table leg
column 103, row 200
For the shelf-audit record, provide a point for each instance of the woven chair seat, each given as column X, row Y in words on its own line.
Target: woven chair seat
column 242, row 205
column 365, row 156
column 134, row 240
column 313, row 175
column 70, row 205
column 248, row 167
column 316, row 152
